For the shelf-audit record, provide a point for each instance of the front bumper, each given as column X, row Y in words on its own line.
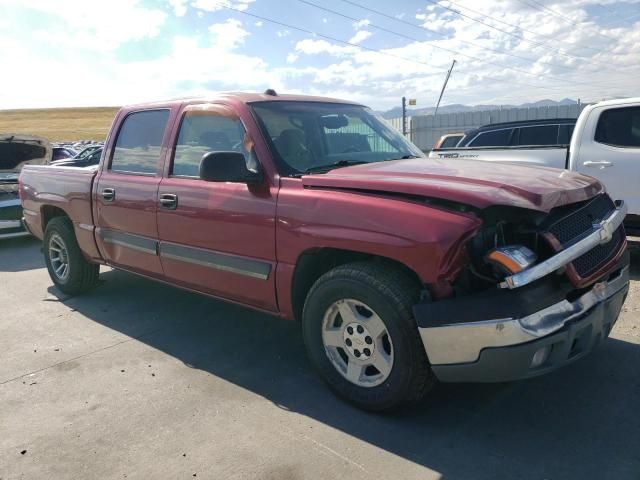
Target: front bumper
column 563, row 325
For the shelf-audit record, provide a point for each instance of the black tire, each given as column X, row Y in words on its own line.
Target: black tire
column 391, row 293
column 82, row 275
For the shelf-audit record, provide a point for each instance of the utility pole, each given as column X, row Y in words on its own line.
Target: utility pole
column 446, row 80
column 404, row 116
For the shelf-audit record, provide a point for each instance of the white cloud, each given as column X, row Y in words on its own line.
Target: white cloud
column 215, row 5
column 179, row 7
column 92, row 25
column 258, row 23
column 228, row 35
column 291, row 58
column 361, row 23
column 360, row 36
column 313, row 47
column 283, row 33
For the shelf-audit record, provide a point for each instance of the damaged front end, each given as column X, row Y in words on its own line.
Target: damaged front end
column 540, row 290
column 15, row 152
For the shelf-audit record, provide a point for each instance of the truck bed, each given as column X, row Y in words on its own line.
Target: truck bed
column 544, row 156
column 50, row 190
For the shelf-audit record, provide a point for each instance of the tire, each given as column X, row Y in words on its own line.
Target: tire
column 67, row 267
column 364, row 293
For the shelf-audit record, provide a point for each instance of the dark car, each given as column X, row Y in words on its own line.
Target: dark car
column 15, row 152
column 93, row 158
column 555, row 131
column 60, row 153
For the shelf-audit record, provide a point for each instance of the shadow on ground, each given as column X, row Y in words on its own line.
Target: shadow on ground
column 580, row 422
column 20, row 254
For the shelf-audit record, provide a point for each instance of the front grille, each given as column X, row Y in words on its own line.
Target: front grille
column 590, row 261
column 568, row 224
column 571, row 223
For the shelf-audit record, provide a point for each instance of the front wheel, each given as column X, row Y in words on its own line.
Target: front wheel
column 66, row 265
column 360, row 335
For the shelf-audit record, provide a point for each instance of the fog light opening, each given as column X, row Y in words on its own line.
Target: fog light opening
column 540, row 357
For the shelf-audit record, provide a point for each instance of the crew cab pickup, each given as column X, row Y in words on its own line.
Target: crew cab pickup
column 402, row 269
column 605, row 144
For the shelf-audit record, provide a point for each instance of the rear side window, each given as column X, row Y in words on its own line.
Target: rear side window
column 201, row 133
column 497, row 138
column 539, row 135
column 619, row 127
column 139, row 142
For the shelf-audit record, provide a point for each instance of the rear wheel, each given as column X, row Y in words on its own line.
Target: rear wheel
column 360, row 335
column 66, row 265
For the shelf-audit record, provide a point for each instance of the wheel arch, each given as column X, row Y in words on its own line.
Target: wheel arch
column 315, row 262
column 48, row 212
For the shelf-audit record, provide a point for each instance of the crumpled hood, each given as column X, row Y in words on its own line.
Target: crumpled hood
column 19, row 150
column 476, row 183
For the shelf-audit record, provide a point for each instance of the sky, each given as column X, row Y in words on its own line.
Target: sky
column 106, row 53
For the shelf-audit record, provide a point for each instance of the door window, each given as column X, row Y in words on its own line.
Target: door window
column 201, row 133
column 539, row 135
column 139, row 142
column 497, row 138
column 619, row 127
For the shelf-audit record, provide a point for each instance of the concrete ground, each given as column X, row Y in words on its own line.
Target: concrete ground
column 140, row 380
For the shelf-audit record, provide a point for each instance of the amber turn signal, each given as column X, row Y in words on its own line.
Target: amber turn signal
column 512, row 259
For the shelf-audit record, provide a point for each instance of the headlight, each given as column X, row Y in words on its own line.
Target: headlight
column 511, row 259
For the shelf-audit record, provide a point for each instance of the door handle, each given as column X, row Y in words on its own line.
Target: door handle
column 109, row 194
column 169, row 201
column 602, row 164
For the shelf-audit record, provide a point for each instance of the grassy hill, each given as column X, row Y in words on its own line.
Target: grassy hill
column 59, row 124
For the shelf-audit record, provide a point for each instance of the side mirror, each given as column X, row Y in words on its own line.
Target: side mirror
column 227, row 167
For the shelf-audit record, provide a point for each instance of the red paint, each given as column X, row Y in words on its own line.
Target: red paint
column 360, row 208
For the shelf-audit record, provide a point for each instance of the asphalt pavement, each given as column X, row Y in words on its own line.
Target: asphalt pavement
column 136, row 379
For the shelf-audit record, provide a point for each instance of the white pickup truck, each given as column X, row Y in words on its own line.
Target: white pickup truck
column 605, row 144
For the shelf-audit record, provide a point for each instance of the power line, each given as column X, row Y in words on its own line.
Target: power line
column 548, row 37
column 328, row 37
column 543, row 8
column 455, row 52
column 499, row 52
column 559, row 51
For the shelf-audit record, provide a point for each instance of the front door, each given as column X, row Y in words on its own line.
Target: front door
column 613, row 156
column 126, row 194
column 216, row 237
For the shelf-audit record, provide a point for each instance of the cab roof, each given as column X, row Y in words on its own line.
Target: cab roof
column 243, row 97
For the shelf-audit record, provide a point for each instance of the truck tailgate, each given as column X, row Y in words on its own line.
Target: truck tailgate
column 49, row 191
column 553, row 156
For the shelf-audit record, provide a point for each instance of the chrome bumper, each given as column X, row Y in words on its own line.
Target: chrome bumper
column 602, row 233
column 462, row 343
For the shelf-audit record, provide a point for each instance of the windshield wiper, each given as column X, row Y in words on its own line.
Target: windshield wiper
column 331, row 166
column 405, row 157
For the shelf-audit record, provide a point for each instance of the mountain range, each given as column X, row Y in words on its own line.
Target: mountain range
column 396, row 112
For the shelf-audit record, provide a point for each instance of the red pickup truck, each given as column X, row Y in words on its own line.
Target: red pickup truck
column 403, row 270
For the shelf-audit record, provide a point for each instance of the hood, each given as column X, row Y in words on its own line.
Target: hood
column 471, row 182
column 19, row 150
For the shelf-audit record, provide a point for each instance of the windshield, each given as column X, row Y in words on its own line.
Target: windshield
column 310, row 135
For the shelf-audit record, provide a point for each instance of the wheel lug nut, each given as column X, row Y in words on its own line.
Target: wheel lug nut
column 367, row 352
column 369, row 340
column 350, row 330
column 357, row 353
column 360, row 329
column 348, row 342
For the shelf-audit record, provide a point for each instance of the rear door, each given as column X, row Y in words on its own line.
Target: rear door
column 127, row 190
column 216, row 237
column 610, row 151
